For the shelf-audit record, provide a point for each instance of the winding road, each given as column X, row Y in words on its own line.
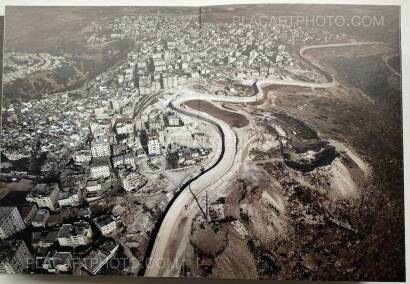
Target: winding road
column 165, row 256
column 386, row 60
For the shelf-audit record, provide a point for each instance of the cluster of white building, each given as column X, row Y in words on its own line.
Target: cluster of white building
column 14, row 254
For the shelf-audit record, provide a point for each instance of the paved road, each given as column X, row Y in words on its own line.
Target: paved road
column 167, row 253
column 386, row 61
column 331, row 45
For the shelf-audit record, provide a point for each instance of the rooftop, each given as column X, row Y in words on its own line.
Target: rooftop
column 5, row 212
column 122, row 157
column 100, row 140
column 49, row 236
column 26, row 210
column 76, row 229
column 61, row 258
column 103, row 220
column 43, row 189
column 8, row 249
column 99, row 162
column 98, row 257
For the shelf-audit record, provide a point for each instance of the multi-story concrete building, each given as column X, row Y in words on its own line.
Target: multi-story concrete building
column 154, row 147
column 56, row 262
column 70, row 197
column 124, row 126
column 93, row 186
column 169, row 81
column 99, row 169
column 173, row 120
column 41, row 218
column 10, row 222
column 102, row 126
column 77, row 234
column 82, row 156
column 44, row 239
column 100, row 147
column 106, row 224
column 161, row 136
column 45, row 195
column 125, row 159
column 120, row 148
column 96, row 259
column 130, row 181
column 156, row 123
column 139, row 124
column 28, row 213
column 14, row 256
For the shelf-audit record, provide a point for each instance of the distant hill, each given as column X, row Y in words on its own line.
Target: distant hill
column 388, row 32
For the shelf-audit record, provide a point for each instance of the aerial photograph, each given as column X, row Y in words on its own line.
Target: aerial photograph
column 259, row 141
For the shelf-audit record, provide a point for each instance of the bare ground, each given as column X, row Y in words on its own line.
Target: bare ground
column 232, row 118
column 334, row 222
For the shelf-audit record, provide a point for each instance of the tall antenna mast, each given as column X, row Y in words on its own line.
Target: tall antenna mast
column 197, row 202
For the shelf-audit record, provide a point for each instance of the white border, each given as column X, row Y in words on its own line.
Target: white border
column 405, row 43
column 195, row 3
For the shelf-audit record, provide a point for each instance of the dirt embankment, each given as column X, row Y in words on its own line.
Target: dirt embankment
column 326, row 223
column 232, row 118
column 364, row 69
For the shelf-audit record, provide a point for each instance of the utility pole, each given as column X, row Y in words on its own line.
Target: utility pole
column 206, row 206
column 204, row 214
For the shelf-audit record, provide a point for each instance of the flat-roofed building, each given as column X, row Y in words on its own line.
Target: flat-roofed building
column 102, row 126
column 106, row 224
column 119, row 149
column 10, row 222
column 14, row 256
column 82, row 156
column 45, row 195
column 124, row 126
column 28, row 213
column 173, row 120
column 56, row 262
column 70, row 197
column 41, row 218
column 99, row 168
column 44, row 239
column 97, row 258
column 100, row 147
column 93, row 186
column 124, row 159
column 77, row 234
column 131, row 180
column 154, row 147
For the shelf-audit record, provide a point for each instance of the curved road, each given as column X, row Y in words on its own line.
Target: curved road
column 386, row 60
column 165, row 258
